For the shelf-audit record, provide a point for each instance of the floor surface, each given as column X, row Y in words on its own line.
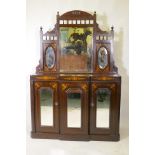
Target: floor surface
column 60, row 147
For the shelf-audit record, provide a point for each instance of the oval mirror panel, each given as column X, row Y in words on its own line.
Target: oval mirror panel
column 102, row 58
column 50, row 57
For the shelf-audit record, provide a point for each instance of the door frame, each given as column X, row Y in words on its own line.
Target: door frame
column 114, row 104
column 54, row 86
column 82, row 87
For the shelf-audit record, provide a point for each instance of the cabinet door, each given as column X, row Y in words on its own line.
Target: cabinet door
column 104, row 108
column 46, row 107
column 74, row 108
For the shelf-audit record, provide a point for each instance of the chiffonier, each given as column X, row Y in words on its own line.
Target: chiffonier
column 75, row 92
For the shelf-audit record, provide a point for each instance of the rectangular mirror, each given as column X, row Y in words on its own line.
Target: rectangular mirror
column 76, row 49
column 46, row 106
column 74, row 110
column 102, row 108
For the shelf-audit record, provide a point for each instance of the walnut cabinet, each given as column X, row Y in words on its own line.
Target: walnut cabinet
column 75, row 93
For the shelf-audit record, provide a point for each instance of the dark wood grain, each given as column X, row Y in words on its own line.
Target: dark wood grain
column 84, row 82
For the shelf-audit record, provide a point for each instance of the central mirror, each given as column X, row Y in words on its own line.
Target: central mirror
column 76, row 49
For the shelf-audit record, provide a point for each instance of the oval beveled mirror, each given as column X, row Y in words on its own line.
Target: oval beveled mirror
column 102, row 57
column 50, row 57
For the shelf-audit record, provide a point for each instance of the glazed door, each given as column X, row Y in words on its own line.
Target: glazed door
column 74, row 108
column 46, row 107
column 104, row 108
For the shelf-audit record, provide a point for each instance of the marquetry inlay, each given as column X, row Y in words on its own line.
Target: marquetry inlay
column 74, row 78
column 103, row 78
column 94, row 86
column 85, row 87
column 37, row 85
column 46, row 78
column 64, row 86
column 53, row 85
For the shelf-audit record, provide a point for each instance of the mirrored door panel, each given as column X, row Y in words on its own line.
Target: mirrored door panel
column 46, row 106
column 102, row 107
column 102, row 101
column 47, row 111
column 74, row 108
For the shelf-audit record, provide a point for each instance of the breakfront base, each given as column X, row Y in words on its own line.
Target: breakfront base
column 75, row 93
column 42, row 135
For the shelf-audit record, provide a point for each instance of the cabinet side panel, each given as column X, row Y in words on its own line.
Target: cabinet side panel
column 117, row 113
column 32, row 106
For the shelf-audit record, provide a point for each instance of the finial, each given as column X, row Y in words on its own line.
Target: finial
column 112, row 28
column 94, row 12
column 41, row 28
column 57, row 12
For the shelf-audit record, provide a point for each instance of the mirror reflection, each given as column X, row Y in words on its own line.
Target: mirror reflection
column 50, row 57
column 103, row 108
column 102, row 57
column 76, row 49
column 74, row 110
column 46, row 106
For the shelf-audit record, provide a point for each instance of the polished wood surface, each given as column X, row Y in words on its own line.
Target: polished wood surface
column 84, row 82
